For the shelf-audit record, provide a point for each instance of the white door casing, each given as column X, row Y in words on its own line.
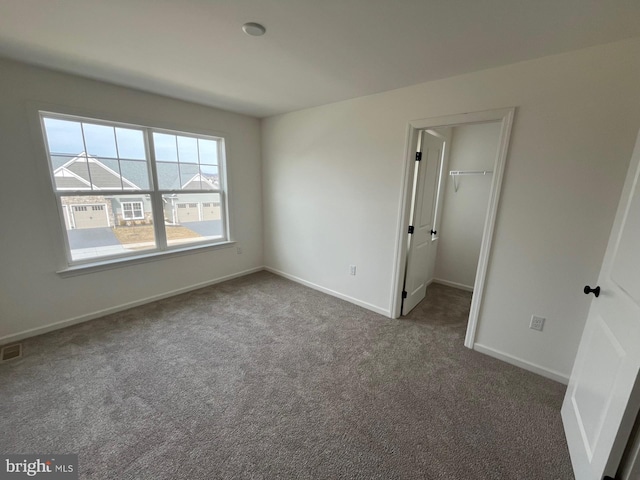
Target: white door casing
column 603, row 397
column 505, row 116
column 419, row 258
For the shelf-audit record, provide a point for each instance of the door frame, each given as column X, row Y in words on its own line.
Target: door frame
column 505, row 117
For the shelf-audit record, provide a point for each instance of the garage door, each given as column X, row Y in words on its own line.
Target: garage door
column 90, row 216
column 210, row 211
column 188, row 212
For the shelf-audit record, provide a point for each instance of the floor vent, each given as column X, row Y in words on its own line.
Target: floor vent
column 10, row 352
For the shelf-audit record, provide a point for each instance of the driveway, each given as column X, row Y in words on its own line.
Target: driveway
column 81, row 238
column 91, row 238
column 207, row 228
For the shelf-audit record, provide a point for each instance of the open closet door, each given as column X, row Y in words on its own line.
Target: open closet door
column 425, row 190
column 602, row 399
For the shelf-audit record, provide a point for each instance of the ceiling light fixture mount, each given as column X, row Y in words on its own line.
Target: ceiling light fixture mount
column 253, row 29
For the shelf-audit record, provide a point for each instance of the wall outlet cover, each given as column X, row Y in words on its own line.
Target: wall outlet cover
column 537, row 323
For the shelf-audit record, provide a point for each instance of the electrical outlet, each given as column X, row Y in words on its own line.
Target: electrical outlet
column 239, row 250
column 537, row 323
column 352, row 269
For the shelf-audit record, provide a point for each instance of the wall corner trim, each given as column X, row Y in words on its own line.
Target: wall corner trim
column 460, row 286
column 333, row 293
column 524, row 364
column 118, row 308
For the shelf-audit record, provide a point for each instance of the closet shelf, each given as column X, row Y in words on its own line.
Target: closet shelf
column 457, row 173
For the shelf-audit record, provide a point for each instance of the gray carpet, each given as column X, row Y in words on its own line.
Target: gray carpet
column 262, row 378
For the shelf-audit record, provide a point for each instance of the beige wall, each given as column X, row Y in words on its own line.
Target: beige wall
column 333, row 177
column 332, row 180
column 32, row 295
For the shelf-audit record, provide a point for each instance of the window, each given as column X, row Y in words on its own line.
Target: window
column 132, row 210
column 125, row 190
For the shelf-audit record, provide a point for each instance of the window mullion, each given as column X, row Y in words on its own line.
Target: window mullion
column 156, row 196
column 203, row 219
column 223, row 190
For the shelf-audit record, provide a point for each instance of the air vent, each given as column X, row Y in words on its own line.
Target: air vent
column 10, row 352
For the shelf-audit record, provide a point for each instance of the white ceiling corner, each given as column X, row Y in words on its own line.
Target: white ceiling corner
column 314, row 52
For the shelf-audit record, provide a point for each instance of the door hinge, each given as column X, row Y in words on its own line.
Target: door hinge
column 404, row 294
column 411, row 228
column 433, row 232
column 418, row 156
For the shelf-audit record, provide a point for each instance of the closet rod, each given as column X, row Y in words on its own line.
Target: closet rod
column 456, row 173
column 470, row 172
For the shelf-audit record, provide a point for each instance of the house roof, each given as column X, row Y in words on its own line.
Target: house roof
column 199, row 182
column 87, row 172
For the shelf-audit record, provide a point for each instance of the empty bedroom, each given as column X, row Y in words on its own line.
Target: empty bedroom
column 296, row 239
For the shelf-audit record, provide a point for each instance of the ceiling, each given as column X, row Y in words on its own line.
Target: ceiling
column 314, row 52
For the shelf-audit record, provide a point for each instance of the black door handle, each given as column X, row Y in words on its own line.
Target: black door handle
column 595, row 291
column 433, row 232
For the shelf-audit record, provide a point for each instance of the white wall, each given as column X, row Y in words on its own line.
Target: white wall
column 32, row 295
column 333, row 177
column 473, row 147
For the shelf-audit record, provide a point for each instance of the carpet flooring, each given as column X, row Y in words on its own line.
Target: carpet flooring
column 262, row 378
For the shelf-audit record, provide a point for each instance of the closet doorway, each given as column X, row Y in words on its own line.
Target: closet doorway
column 452, row 185
column 464, row 198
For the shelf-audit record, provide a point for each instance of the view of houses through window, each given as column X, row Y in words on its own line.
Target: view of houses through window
column 110, row 178
column 132, row 211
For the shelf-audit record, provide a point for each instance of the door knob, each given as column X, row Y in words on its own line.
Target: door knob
column 595, row 291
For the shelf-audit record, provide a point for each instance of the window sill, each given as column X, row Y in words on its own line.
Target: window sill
column 99, row 266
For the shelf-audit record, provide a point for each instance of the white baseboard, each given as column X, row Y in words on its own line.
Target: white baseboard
column 518, row 362
column 118, row 308
column 461, row 286
column 374, row 308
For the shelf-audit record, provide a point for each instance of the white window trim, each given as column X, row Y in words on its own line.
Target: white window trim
column 110, row 264
column 76, row 267
column 133, row 217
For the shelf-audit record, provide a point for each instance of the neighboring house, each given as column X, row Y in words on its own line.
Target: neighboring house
column 87, row 172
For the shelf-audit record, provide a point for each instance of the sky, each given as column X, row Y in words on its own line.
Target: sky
column 65, row 137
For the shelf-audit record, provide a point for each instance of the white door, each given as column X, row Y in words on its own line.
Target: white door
column 418, row 254
column 601, row 401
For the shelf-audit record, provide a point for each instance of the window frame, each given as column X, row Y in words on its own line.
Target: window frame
column 154, row 193
column 133, row 210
